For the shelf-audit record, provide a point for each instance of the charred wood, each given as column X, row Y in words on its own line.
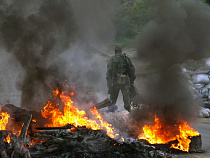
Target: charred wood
column 91, row 143
column 3, row 135
column 103, row 104
column 18, row 116
column 196, row 144
column 55, row 128
column 19, row 146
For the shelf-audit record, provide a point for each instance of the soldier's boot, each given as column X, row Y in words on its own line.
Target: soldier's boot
column 112, row 108
column 113, row 98
column 128, row 108
column 127, row 104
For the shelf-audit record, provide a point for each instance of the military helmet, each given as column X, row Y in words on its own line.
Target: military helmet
column 118, row 48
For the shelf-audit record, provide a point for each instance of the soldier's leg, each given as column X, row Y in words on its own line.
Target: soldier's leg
column 113, row 97
column 126, row 96
column 114, row 94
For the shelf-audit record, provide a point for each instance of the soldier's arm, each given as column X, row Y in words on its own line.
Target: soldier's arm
column 109, row 70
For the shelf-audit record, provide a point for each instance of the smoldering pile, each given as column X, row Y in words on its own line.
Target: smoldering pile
column 66, row 141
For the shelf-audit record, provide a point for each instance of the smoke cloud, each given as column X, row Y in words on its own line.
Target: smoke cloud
column 54, row 41
column 179, row 31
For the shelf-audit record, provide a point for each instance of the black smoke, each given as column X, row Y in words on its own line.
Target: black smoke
column 178, row 31
column 50, row 40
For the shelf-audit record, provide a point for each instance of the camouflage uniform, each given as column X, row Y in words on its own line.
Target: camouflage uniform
column 120, row 75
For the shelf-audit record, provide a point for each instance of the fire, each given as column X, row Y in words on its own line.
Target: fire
column 4, row 120
column 162, row 133
column 16, row 131
column 70, row 114
column 73, row 129
column 35, row 142
column 183, row 138
column 34, row 121
column 8, row 138
column 103, row 123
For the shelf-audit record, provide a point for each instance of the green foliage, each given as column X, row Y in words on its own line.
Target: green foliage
column 132, row 16
column 125, row 41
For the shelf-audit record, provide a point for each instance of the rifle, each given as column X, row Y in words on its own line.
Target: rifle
column 133, row 91
column 111, row 81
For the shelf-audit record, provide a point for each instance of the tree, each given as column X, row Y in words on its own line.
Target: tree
column 132, row 16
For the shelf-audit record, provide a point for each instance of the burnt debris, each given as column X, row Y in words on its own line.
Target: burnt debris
column 70, row 141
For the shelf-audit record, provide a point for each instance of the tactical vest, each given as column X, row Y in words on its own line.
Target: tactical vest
column 119, row 65
column 120, row 69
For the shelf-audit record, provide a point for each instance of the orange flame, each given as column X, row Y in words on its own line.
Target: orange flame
column 3, row 120
column 16, row 131
column 104, row 124
column 70, row 114
column 34, row 121
column 160, row 133
column 8, row 138
column 35, row 142
column 73, row 129
column 183, row 138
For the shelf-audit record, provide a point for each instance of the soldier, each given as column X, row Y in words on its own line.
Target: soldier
column 120, row 76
